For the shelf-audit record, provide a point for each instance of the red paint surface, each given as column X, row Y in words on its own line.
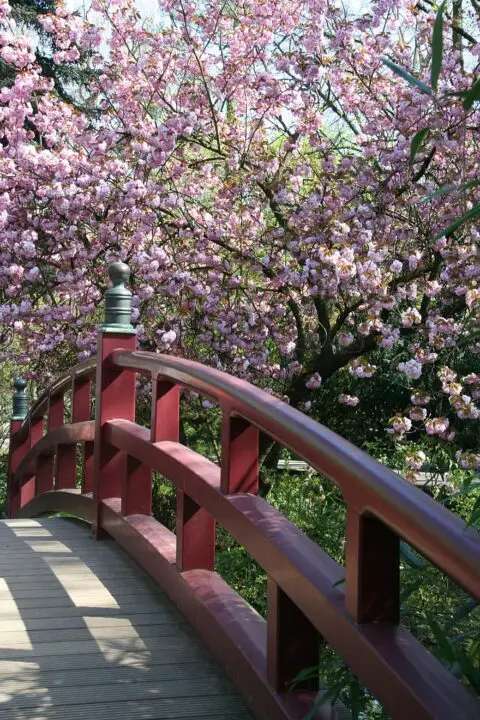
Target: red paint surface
column 115, row 398
column 358, row 619
column 239, row 455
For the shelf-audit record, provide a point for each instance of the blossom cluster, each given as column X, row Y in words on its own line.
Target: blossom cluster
column 252, row 163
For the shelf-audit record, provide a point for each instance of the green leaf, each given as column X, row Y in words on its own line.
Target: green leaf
column 308, row 673
column 410, row 589
column 328, row 695
column 417, row 142
column 462, row 613
column 446, row 649
column 472, row 95
column 474, row 518
column 410, row 557
column 437, row 46
column 470, row 215
column 449, row 188
column 406, row 76
column 470, row 487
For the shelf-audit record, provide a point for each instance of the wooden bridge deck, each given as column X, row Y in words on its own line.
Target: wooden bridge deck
column 85, row 633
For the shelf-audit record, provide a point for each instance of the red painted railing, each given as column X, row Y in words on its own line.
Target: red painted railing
column 359, row 618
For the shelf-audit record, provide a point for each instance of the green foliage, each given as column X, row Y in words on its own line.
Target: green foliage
column 417, row 142
column 470, row 215
column 411, row 79
column 436, row 611
column 469, row 97
column 472, row 95
column 437, row 47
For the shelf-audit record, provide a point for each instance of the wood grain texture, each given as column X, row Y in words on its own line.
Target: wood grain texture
column 84, row 633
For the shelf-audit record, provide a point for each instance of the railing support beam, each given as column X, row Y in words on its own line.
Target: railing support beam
column 136, row 488
column 372, row 584
column 195, row 535
column 115, row 398
column 81, row 401
column 292, row 642
column 239, row 455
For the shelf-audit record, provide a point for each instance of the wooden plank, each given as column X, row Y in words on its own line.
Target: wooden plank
column 111, row 647
column 227, row 707
column 95, row 660
column 84, row 632
column 32, row 591
column 127, row 597
column 25, row 694
column 13, row 672
column 17, row 623
column 38, row 638
column 72, row 611
column 58, row 584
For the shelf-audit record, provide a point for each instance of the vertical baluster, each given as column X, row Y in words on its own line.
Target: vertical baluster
column 292, row 641
column 239, row 455
column 165, row 417
column 66, row 461
column 194, row 526
column 81, row 391
column 35, row 430
column 44, row 474
column 56, row 411
column 35, row 433
column 372, row 585
column 45, row 469
column 115, row 389
column 136, row 488
column 17, row 450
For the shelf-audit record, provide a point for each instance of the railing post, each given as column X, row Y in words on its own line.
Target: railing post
column 372, row 583
column 45, row 466
column 81, row 391
column 65, row 466
column 66, row 460
column 293, row 643
column 115, row 389
column 239, row 472
column 17, row 450
column 165, row 417
column 35, row 433
column 195, row 528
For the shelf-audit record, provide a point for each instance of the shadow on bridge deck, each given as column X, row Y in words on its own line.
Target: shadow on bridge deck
column 85, row 633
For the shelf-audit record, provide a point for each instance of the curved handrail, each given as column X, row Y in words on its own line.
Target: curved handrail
column 118, row 456
column 368, row 486
column 85, row 369
column 80, row 432
column 308, row 576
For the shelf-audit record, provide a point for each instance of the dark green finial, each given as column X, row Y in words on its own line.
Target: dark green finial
column 20, row 400
column 118, row 301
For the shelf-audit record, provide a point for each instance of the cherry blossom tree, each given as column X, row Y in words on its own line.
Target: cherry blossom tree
column 287, row 201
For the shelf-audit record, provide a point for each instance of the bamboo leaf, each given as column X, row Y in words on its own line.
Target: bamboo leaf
column 470, row 215
column 437, row 47
column 411, row 79
column 410, row 557
column 442, row 640
column 449, row 188
column 462, row 613
column 417, row 142
column 472, row 95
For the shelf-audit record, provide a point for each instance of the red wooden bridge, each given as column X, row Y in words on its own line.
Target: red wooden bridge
column 358, row 617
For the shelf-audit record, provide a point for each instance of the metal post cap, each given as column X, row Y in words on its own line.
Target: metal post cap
column 19, row 400
column 118, row 301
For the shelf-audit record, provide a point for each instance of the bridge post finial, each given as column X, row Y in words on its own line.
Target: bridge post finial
column 19, row 400
column 118, row 302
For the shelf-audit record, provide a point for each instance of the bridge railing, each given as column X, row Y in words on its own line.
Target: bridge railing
column 307, row 597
